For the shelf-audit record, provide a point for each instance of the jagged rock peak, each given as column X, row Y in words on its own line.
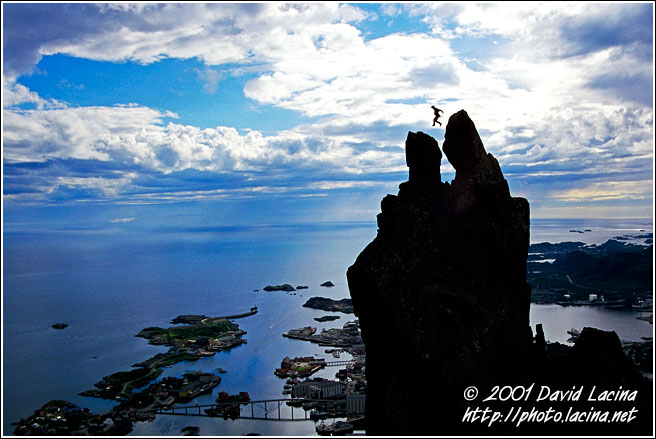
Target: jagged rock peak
column 465, row 151
column 444, row 283
column 443, row 304
column 423, row 157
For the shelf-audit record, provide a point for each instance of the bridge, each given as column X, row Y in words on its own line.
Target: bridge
column 340, row 363
column 266, row 409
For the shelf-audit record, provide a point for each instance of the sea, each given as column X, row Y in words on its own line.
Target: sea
column 108, row 283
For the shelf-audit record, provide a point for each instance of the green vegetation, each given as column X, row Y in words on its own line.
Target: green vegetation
column 213, row 328
column 134, row 378
column 209, row 329
column 168, row 358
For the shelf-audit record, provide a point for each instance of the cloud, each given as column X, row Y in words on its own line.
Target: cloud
column 14, row 95
column 564, row 97
column 625, row 86
column 210, row 78
column 215, row 33
column 124, row 151
column 121, row 220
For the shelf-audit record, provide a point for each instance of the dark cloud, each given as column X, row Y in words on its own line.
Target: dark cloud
column 630, row 25
column 626, row 86
column 27, row 27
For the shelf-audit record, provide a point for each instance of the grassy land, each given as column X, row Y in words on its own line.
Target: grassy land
column 177, row 335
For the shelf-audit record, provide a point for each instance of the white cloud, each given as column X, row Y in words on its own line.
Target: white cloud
column 546, row 102
column 137, row 136
column 121, row 220
column 14, row 94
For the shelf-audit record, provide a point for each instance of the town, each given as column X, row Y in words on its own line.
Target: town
column 343, row 397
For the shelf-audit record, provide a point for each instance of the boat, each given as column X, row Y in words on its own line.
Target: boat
column 644, row 305
column 338, row 428
column 317, row 415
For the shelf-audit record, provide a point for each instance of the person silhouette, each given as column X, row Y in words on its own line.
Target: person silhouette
column 437, row 112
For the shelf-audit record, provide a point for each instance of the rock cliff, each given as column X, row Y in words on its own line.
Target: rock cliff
column 443, row 285
column 443, row 304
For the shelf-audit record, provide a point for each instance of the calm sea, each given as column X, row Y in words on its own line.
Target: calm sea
column 109, row 283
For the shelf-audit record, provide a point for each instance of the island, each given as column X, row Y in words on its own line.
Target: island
column 326, row 304
column 328, row 284
column 615, row 274
column 194, row 319
column 199, row 336
column 283, row 287
column 299, row 367
column 203, row 338
column 326, row 318
column 59, row 326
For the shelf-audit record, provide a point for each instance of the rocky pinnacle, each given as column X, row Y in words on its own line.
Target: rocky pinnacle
column 441, row 292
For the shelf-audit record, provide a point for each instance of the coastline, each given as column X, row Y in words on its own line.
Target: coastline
column 135, row 301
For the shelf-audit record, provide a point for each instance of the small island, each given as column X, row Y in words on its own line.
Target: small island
column 326, row 304
column 326, row 318
column 283, row 287
column 328, row 284
column 59, row 326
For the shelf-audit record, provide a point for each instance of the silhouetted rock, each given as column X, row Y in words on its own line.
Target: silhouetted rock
column 59, row 326
column 444, row 283
column 327, row 284
column 326, row 318
column 596, row 365
column 283, row 287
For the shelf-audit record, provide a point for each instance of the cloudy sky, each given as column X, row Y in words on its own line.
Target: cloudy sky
column 256, row 113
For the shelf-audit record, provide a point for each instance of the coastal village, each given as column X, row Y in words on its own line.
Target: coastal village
column 141, row 396
column 343, row 397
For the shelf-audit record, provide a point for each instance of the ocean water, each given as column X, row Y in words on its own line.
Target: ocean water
column 108, row 284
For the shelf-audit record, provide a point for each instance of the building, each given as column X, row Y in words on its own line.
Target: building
column 318, row 389
column 355, row 404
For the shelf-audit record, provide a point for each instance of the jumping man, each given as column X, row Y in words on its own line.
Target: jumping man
column 437, row 112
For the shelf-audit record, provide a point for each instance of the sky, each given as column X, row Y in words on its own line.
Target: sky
column 258, row 113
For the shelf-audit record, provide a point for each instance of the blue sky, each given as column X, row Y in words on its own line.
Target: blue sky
column 273, row 113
